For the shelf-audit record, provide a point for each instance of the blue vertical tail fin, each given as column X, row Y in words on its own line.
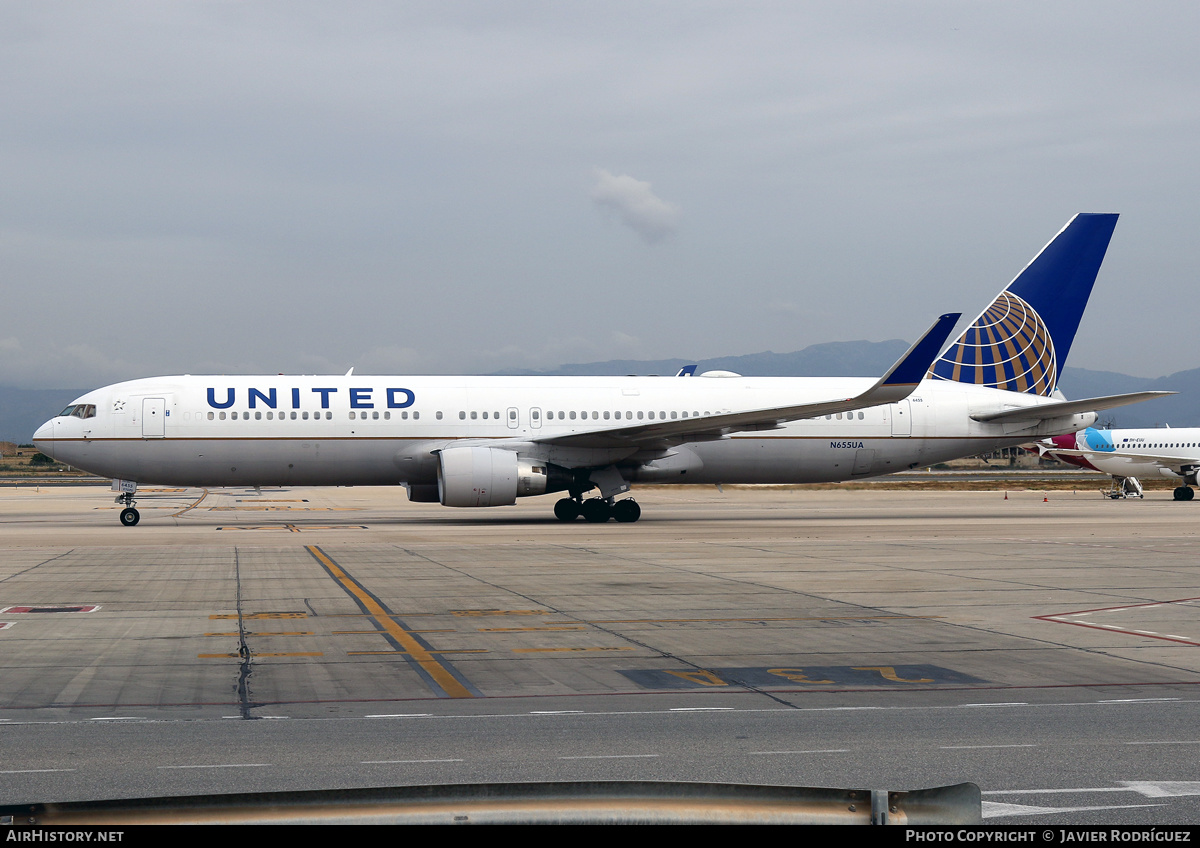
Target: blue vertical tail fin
column 1021, row 341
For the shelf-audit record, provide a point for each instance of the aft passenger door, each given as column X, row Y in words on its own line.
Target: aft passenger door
column 901, row 419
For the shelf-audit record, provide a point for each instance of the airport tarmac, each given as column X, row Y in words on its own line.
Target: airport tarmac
column 351, row 603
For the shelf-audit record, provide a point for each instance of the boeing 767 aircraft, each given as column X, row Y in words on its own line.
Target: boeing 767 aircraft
column 486, row 441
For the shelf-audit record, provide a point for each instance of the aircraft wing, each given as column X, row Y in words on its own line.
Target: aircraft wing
column 1042, row 411
column 898, row 383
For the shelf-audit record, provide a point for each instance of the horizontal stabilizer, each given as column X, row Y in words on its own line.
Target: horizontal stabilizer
column 1042, row 411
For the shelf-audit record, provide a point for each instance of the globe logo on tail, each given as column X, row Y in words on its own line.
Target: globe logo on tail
column 1007, row 348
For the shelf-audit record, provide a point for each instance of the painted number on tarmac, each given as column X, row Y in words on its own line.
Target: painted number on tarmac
column 816, row 676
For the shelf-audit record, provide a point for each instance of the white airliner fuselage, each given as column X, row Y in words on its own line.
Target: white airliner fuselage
column 1129, row 455
column 389, row 430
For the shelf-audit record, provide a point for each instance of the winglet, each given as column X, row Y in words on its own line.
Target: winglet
column 911, row 368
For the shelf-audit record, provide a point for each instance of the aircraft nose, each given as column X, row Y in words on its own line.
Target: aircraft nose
column 1067, row 441
column 44, row 433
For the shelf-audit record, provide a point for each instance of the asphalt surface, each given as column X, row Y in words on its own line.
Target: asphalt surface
column 1043, row 646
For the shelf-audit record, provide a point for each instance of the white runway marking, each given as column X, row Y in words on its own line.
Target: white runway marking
column 1164, row 788
column 118, row 718
column 699, row 709
column 556, row 712
column 221, row 765
column 816, row 751
column 1169, row 742
column 992, row 810
column 34, row 771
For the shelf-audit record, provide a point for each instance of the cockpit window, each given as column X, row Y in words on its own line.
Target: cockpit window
column 79, row 410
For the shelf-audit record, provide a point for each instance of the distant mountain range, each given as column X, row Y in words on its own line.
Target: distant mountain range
column 23, row 410
column 832, row 359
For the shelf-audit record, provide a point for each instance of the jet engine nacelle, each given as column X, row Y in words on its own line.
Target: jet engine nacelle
column 1189, row 475
column 480, row 476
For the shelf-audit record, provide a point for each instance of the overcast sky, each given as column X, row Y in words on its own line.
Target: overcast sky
column 406, row 187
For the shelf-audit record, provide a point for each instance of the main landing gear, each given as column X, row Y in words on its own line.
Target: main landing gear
column 597, row 510
column 129, row 515
column 1184, row 493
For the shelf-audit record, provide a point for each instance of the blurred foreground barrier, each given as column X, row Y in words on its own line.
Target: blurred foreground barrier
column 616, row 802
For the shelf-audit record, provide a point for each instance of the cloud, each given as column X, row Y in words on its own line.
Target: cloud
column 641, row 209
column 47, row 365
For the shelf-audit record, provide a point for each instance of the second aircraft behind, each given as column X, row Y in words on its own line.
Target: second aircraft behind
column 1128, row 456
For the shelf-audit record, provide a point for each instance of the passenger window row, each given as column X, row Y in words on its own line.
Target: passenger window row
column 270, row 415
column 627, row 415
column 89, row 411
column 476, row 415
column 585, row 415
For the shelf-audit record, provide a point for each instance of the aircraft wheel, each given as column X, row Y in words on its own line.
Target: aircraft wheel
column 626, row 511
column 130, row 516
column 566, row 509
column 596, row 511
column 1188, row 493
column 1182, row 493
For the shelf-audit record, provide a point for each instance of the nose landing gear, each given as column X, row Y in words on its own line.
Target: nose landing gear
column 129, row 515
